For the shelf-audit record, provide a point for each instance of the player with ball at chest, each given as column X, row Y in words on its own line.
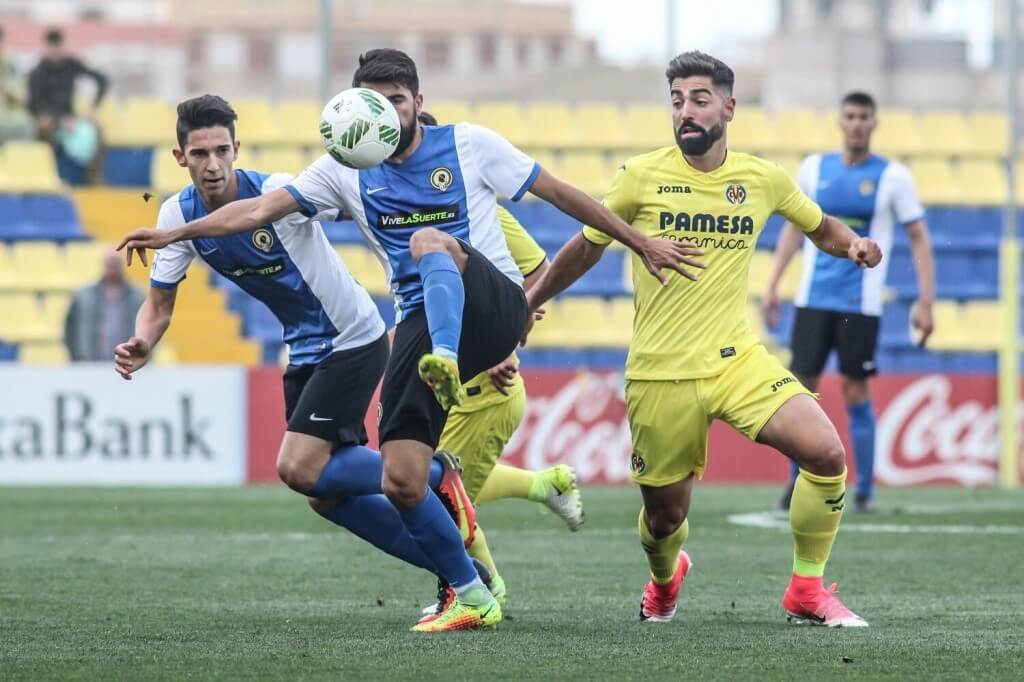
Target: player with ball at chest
column 430, row 214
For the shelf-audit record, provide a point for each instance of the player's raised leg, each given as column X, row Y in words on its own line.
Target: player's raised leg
column 440, row 261
column 554, row 487
column 801, row 430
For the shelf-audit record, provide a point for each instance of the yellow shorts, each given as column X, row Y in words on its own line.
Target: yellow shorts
column 669, row 420
column 478, row 437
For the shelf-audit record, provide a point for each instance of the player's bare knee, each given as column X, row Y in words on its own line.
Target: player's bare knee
column 665, row 521
column 830, row 460
column 296, row 473
column 320, row 506
column 404, row 493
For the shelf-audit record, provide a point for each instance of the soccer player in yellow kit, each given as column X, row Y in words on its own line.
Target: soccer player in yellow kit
column 694, row 357
column 478, row 430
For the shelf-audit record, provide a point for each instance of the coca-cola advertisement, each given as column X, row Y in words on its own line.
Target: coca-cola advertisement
column 932, row 428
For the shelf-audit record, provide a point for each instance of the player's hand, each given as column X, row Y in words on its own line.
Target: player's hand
column 503, row 375
column 131, row 356
column 921, row 321
column 530, row 320
column 865, row 253
column 771, row 308
column 660, row 254
column 142, row 239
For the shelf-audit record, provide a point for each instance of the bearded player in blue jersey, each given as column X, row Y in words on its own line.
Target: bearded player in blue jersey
column 430, row 214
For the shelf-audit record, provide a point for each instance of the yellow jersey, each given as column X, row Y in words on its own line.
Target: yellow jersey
column 690, row 330
column 529, row 256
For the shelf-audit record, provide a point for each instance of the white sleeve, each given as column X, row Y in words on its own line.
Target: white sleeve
column 171, row 262
column 292, row 220
column 318, row 189
column 504, row 167
column 905, row 203
column 805, row 174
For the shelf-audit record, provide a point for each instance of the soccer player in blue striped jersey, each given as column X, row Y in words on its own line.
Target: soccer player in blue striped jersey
column 839, row 305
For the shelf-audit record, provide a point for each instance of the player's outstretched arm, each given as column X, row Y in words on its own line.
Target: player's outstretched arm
column 836, row 239
column 787, row 246
column 924, row 266
column 231, row 218
column 572, row 262
column 151, row 322
column 656, row 254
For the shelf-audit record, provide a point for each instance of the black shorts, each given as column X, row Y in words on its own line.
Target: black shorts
column 329, row 400
column 816, row 332
column 493, row 321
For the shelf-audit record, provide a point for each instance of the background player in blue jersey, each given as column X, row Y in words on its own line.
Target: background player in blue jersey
column 336, row 338
column 839, row 304
column 430, row 214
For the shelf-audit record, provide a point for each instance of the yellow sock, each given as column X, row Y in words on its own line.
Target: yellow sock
column 507, row 482
column 814, row 514
column 480, row 551
column 663, row 554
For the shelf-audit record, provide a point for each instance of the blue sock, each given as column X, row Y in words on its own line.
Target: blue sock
column 794, row 471
column 431, row 526
column 374, row 519
column 443, row 300
column 358, row 470
column 862, row 435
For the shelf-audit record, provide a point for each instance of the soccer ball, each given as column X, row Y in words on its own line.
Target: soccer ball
column 360, row 128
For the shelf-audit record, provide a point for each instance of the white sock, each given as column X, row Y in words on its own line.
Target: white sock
column 446, row 353
column 462, row 589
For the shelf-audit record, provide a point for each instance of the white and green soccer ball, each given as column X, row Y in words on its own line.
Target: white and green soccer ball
column 360, row 128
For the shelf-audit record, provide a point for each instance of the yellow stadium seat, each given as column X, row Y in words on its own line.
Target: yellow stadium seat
column 600, row 126
column 167, row 176
column 990, row 131
column 28, row 167
column 22, row 320
column 946, row 133
column 83, row 261
column 450, row 111
column 143, row 122
column 38, row 266
column 7, row 278
column 648, row 127
column 504, row 118
column 936, row 183
column 52, row 353
column 789, row 163
column 108, row 213
column 587, row 323
column 587, row 170
column 802, row 131
column 761, row 264
column 546, row 332
column 365, row 267
column 753, row 131
column 55, row 309
column 280, row 160
column 976, row 326
column 983, row 181
column 256, row 123
column 549, row 124
column 898, row 133
column 298, row 122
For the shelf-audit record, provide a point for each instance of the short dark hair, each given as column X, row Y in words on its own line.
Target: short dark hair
column 696, row 63
column 427, row 118
column 387, row 65
column 204, row 111
column 54, row 36
column 859, row 98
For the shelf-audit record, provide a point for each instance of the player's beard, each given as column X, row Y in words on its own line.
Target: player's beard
column 407, row 135
column 698, row 146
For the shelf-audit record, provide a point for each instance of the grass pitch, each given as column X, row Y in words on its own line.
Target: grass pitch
column 249, row 584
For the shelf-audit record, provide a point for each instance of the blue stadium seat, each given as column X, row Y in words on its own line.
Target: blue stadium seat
column 342, row 232
column 53, row 217
column 14, row 224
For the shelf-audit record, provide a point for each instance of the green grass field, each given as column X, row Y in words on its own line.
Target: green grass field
column 248, row 583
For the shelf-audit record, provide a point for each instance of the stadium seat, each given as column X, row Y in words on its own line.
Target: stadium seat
column 139, row 122
column 168, row 176
column 450, row 111
column 648, row 127
column 257, row 124
column 550, row 125
column 946, row 133
column 976, row 326
column 365, row 267
column 83, row 262
column 45, row 353
column 983, row 182
column 936, row 183
column 600, row 126
column 55, row 309
column 752, row 131
column 38, row 266
column 761, row 264
column 28, row 167
column 298, row 122
column 802, row 131
column 990, row 133
column 278, row 160
column 789, row 163
column 504, row 118
column 107, row 214
column 898, row 133
column 587, row 170
column 52, row 217
column 22, row 320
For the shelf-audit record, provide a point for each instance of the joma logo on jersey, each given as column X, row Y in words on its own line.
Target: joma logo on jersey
column 673, row 189
column 705, row 222
column 782, row 382
column 424, row 217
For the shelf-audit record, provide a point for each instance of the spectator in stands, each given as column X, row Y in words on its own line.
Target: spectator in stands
column 14, row 123
column 103, row 314
column 51, row 90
